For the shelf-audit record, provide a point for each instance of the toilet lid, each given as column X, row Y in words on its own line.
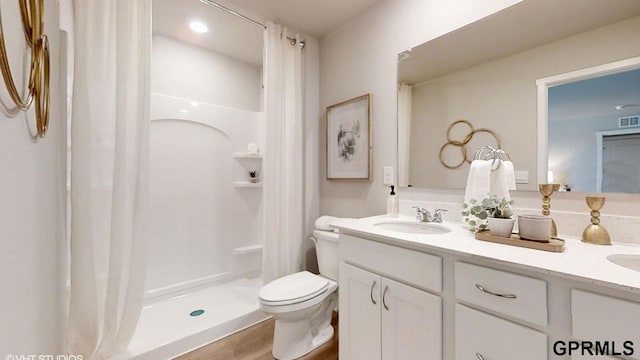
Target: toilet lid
column 294, row 288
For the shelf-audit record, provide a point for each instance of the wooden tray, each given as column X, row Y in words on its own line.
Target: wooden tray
column 554, row 245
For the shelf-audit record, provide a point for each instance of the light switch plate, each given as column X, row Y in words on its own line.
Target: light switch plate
column 388, row 175
column 522, row 176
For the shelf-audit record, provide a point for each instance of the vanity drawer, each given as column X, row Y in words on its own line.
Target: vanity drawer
column 409, row 266
column 482, row 336
column 510, row 294
column 602, row 318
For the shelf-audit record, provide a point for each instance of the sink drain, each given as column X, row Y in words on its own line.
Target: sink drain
column 196, row 312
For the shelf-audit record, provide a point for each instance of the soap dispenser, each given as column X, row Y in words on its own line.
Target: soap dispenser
column 392, row 203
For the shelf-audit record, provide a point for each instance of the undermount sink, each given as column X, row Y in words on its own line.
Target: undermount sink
column 413, row 227
column 631, row 262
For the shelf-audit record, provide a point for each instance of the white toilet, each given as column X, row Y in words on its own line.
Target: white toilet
column 303, row 303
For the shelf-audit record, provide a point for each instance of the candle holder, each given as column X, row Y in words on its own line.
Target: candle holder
column 546, row 190
column 595, row 233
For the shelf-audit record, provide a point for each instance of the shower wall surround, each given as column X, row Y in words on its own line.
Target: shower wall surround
column 197, row 215
column 203, row 75
column 203, row 109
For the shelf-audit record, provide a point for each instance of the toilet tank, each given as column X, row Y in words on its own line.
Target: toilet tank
column 327, row 253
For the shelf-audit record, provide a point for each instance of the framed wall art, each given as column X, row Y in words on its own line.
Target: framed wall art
column 349, row 140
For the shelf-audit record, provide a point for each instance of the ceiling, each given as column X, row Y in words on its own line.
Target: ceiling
column 596, row 97
column 240, row 39
column 520, row 27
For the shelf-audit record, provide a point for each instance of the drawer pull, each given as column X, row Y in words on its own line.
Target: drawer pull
column 371, row 293
column 508, row 296
column 384, row 298
column 480, row 357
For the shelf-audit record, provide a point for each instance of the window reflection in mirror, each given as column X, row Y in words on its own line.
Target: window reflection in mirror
column 594, row 133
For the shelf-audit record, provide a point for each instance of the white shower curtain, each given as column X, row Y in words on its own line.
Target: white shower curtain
column 109, row 173
column 283, row 174
column 404, row 133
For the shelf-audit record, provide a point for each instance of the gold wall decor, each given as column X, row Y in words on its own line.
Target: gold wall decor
column 32, row 15
column 462, row 144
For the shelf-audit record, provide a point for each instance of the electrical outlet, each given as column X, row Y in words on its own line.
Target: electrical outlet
column 388, row 175
column 522, row 176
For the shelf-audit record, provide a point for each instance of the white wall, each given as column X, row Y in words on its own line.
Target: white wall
column 361, row 57
column 191, row 72
column 32, row 205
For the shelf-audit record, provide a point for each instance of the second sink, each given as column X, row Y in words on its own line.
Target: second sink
column 413, row 227
column 631, row 262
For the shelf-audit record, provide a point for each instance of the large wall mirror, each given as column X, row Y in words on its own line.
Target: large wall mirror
column 487, row 73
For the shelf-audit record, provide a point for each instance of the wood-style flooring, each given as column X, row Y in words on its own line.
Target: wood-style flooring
column 255, row 343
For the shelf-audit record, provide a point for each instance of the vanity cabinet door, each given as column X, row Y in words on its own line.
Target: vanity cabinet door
column 359, row 313
column 482, row 336
column 411, row 323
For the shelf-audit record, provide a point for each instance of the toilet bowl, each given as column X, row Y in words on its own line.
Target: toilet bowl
column 302, row 304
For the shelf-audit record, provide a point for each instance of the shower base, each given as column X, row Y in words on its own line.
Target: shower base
column 172, row 327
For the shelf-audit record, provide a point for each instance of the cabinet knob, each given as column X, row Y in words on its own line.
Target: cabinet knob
column 384, row 298
column 508, row 296
column 371, row 293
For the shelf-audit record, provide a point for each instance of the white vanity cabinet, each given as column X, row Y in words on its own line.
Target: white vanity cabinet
column 479, row 335
column 457, row 298
column 613, row 322
column 381, row 318
column 482, row 336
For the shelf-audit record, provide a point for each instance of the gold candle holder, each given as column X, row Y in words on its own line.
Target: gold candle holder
column 595, row 233
column 546, row 190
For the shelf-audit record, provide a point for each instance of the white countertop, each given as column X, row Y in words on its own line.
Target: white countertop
column 580, row 261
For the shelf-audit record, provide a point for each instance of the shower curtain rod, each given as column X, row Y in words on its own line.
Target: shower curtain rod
column 234, row 13
column 246, row 18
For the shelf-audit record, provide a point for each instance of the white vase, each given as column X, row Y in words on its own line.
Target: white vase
column 501, row 227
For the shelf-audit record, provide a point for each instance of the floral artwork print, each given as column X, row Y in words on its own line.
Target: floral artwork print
column 347, row 138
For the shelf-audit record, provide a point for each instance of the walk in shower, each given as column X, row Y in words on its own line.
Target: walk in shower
column 204, row 250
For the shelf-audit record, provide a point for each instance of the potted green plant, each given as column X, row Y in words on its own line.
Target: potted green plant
column 490, row 213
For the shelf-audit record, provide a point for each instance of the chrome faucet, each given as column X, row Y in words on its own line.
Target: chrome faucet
column 437, row 215
column 424, row 215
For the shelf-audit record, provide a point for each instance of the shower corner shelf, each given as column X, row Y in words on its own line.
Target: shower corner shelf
column 246, row 184
column 239, row 155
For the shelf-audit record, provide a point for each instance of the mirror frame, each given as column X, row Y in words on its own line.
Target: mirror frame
column 544, row 84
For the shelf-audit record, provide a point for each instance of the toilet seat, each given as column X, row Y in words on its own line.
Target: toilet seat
column 293, row 289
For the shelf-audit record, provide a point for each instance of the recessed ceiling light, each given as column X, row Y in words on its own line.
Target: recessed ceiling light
column 198, row 27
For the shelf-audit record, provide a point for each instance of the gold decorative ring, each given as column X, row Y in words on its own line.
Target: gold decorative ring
column 462, row 144
column 466, row 139
column 463, row 149
column 32, row 15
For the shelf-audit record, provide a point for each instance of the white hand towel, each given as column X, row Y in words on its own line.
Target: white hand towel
column 510, row 174
column 503, row 179
column 478, row 181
